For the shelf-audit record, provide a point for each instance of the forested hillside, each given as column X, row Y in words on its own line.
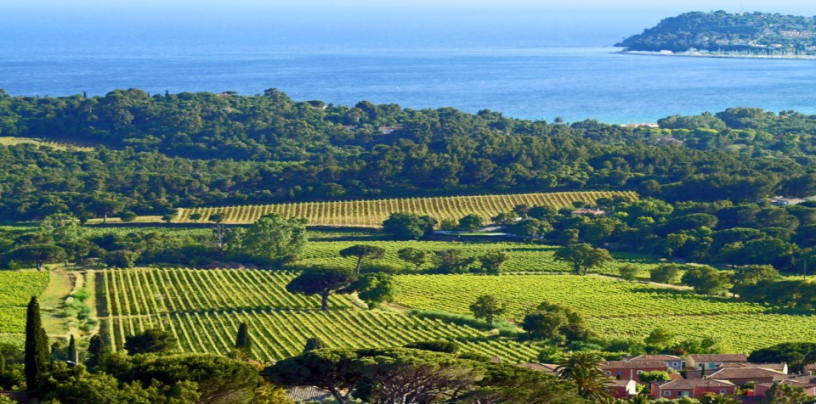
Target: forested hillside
column 721, row 31
column 165, row 151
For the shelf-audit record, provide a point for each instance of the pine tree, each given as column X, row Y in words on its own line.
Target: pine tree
column 36, row 346
column 242, row 341
column 73, row 355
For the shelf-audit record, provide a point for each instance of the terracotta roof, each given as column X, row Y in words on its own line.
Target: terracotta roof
column 745, row 373
column 779, row 367
column 691, row 384
column 541, row 367
column 620, row 383
column 720, row 358
column 675, row 376
column 634, row 365
column 799, row 381
column 654, row 358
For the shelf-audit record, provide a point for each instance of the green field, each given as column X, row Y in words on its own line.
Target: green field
column 615, row 308
column 524, row 257
column 16, row 289
column 203, row 308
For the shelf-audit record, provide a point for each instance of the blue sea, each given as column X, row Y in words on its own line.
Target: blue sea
column 514, row 63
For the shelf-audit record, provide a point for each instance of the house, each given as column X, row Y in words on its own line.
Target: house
column 691, row 388
column 541, row 367
column 741, row 376
column 710, row 361
column 622, row 389
column 626, row 370
column 674, row 362
column 808, row 383
column 779, row 367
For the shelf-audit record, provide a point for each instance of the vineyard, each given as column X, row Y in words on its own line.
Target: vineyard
column 615, row 308
column 373, row 213
column 16, row 289
column 203, row 309
column 524, row 257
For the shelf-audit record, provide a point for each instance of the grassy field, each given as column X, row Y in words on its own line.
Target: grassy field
column 13, row 141
column 204, row 308
column 373, row 213
column 524, row 257
column 615, row 308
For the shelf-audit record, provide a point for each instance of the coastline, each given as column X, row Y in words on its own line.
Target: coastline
column 720, row 55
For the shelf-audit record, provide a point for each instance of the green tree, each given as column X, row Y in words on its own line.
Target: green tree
column 323, row 281
column 659, row 337
column 313, row 344
column 493, row 261
column 452, row 261
column 97, row 351
column 121, row 259
column 217, row 218
column 411, row 255
column 151, row 341
column 38, row 254
column 73, row 354
column 544, row 324
column 376, row 288
column 629, row 272
column 664, row 274
column 361, row 252
column 583, row 257
column 242, row 340
column 784, row 393
column 706, row 280
column 61, row 227
column 522, row 210
column 408, row 226
column 196, row 217
column 471, row 222
column 36, row 346
column 106, row 205
column 488, row 307
column 274, row 238
column 654, row 376
column 530, row 229
column 505, row 218
column 584, row 370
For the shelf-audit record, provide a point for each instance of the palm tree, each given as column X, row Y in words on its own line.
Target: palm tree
column 584, row 370
column 639, row 399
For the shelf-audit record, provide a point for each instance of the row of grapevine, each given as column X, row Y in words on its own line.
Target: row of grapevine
column 373, row 213
column 146, row 292
column 281, row 334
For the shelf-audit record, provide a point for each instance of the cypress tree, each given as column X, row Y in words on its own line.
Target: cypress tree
column 242, row 341
column 96, row 351
column 36, row 346
column 73, row 355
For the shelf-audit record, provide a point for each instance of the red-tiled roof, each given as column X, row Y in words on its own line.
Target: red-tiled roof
column 745, row 373
column 634, row 365
column 719, row 358
column 541, row 367
column 655, row 358
column 691, row 384
column 779, row 367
